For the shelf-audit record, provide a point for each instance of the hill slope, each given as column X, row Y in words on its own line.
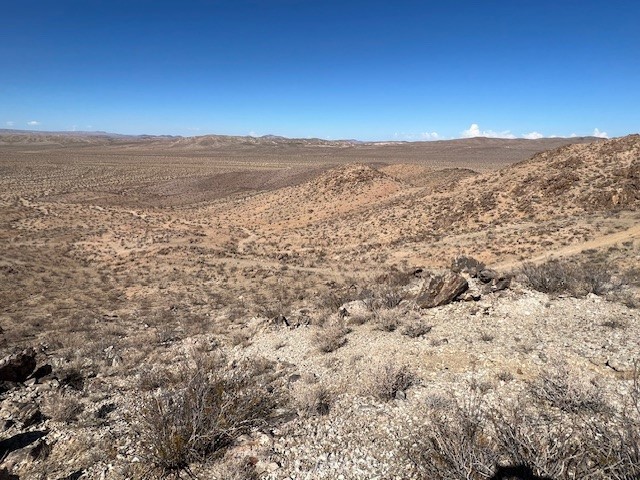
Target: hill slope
column 559, row 198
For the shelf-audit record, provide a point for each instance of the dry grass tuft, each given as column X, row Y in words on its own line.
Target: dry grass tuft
column 387, row 320
column 331, row 338
column 416, row 330
column 389, row 380
column 64, row 408
column 315, row 400
column 559, row 389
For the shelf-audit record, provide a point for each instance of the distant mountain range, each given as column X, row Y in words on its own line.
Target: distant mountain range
column 9, row 136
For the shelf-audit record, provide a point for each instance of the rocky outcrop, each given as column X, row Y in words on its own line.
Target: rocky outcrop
column 18, row 367
column 494, row 281
column 441, row 289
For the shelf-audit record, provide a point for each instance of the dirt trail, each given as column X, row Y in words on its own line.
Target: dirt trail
column 604, row 241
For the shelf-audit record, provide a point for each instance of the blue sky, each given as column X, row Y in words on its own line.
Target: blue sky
column 370, row 70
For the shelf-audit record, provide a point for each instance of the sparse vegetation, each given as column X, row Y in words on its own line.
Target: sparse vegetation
column 526, row 439
column 390, row 380
column 562, row 277
column 565, row 392
column 215, row 405
column 65, row 408
column 387, row 320
column 315, row 400
column 331, row 338
column 416, row 330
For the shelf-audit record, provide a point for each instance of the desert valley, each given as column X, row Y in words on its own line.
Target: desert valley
column 239, row 308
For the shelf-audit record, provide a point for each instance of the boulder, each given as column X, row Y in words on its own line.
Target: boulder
column 487, row 275
column 18, row 367
column 502, row 283
column 280, row 320
column 441, row 289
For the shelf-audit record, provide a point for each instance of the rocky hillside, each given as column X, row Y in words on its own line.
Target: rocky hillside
column 600, row 176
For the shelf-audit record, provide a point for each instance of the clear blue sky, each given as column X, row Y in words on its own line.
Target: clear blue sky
column 322, row 68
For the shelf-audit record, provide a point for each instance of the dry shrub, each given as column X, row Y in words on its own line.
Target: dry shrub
column 388, row 297
column 152, row 379
column 529, row 438
column 237, row 469
column 71, row 377
column 562, row 277
column 387, row 320
column 625, row 296
column 615, row 323
column 390, row 379
column 196, row 421
column 416, row 330
column 359, row 318
column 395, row 278
column 331, row 338
column 454, row 444
column 552, row 444
column 487, row 337
column 465, row 264
column 557, row 387
column 314, row 400
column 549, row 277
column 64, row 408
column 333, row 300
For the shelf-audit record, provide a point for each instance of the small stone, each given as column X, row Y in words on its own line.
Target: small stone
column 487, row 275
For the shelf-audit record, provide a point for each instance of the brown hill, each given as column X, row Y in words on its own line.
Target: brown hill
column 332, row 194
column 556, row 200
column 422, row 176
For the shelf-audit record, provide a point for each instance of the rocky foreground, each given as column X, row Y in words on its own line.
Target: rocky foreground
column 383, row 385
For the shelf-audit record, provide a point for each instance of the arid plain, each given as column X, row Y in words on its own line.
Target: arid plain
column 333, row 309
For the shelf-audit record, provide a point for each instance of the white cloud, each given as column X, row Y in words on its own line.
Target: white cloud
column 253, row 134
column 573, row 135
column 430, row 136
column 9, row 123
column 533, row 135
column 412, row 137
column 599, row 134
column 474, row 131
column 33, row 123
